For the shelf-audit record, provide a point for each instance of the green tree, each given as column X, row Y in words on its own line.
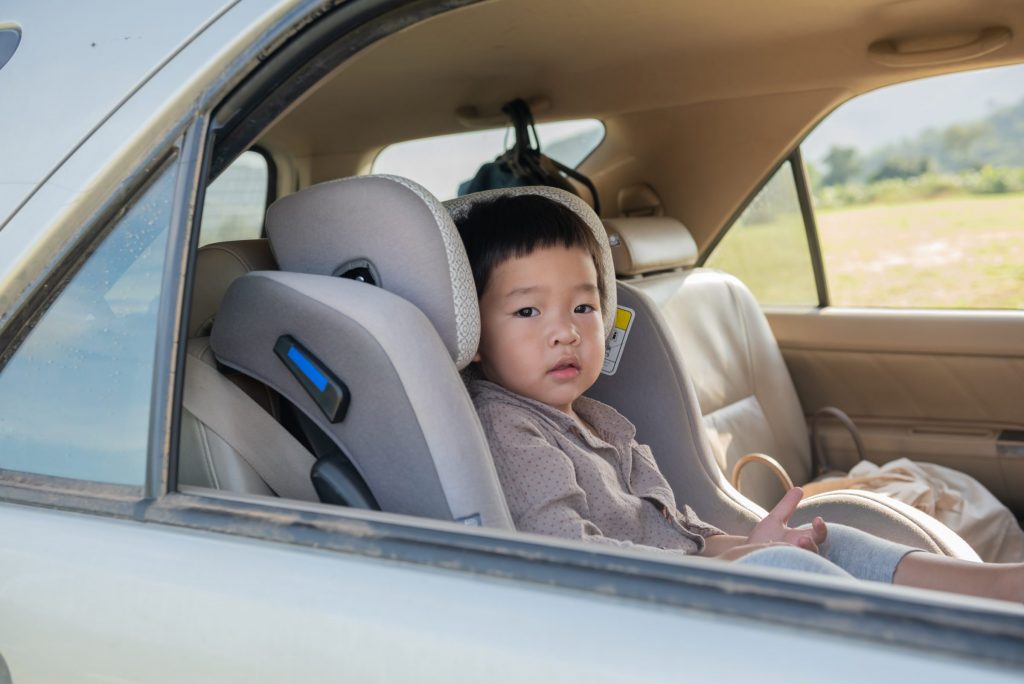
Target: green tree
column 901, row 167
column 960, row 142
column 813, row 175
column 844, row 163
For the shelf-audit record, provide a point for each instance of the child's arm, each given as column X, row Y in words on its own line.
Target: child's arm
column 721, row 543
column 733, row 547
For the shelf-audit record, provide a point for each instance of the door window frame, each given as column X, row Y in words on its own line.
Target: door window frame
column 803, row 193
column 117, row 500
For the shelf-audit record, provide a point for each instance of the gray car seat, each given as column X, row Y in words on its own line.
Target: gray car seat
column 363, row 330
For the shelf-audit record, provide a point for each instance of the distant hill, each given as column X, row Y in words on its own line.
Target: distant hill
column 996, row 140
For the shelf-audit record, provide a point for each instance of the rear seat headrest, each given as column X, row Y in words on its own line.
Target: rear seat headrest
column 396, row 231
column 460, row 206
column 650, row 243
column 217, row 265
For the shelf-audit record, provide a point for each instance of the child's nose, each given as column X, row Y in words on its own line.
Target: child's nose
column 565, row 332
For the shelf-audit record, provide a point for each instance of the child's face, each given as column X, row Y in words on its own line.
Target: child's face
column 542, row 335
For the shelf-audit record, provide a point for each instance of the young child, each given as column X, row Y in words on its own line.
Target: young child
column 571, row 467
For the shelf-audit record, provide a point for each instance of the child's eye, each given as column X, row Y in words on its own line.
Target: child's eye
column 584, row 309
column 527, row 312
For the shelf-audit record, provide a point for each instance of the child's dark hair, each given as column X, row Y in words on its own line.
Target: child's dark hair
column 513, row 226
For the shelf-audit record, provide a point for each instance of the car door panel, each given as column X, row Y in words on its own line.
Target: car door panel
column 93, row 598
column 942, row 387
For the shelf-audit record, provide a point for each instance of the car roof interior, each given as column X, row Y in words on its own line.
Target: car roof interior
column 701, row 101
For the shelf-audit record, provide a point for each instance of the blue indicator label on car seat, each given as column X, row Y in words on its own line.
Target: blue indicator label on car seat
column 308, row 368
column 317, row 380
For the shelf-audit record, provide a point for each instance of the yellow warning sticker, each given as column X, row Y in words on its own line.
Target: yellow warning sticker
column 622, row 318
column 617, row 340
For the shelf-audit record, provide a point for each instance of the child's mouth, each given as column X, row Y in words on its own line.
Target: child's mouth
column 565, row 369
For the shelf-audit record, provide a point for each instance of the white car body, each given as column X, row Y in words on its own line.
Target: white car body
column 107, row 585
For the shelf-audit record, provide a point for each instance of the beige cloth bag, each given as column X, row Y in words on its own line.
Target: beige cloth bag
column 957, row 500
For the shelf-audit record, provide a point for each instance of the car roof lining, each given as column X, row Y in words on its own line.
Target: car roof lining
column 672, row 82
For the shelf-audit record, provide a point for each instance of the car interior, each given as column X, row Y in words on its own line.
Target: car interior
column 325, row 348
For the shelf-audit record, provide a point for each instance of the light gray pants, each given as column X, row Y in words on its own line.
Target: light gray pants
column 847, row 552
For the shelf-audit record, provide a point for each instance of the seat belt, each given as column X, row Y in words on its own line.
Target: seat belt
column 277, row 457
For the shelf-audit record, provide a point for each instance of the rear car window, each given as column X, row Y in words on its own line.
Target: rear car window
column 442, row 163
column 237, row 200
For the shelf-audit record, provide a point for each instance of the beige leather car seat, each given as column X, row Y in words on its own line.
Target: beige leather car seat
column 229, row 419
column 685, row 326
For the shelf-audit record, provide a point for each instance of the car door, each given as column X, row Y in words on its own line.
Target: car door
column 904, row 309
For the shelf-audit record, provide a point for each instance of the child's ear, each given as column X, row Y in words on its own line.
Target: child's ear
column 476, row 358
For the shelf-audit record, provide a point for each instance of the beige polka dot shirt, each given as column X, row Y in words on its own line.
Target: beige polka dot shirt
column 562, row 480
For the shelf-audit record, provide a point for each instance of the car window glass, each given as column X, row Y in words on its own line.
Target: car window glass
column 442, row 163
column 919, row 193
column 767, row 248
column 75, row 396
column 236, row 202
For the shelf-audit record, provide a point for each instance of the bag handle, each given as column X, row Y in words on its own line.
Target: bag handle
column 577, row 176
column 518, row 111
column 764, row 459
column 519, row 114
column 810, row 488
column 819, row 460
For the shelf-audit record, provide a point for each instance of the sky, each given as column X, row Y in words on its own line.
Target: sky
column 903, row 111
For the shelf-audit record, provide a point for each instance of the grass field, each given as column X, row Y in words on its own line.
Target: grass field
column 962, row 252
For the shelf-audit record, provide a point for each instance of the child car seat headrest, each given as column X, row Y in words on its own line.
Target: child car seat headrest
column 389, row 232
column 460, row 207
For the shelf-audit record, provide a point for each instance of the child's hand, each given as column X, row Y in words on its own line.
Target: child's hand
column 774, row 527
column 741, row 550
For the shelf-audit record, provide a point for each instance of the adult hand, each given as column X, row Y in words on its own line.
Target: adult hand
column 775, row 526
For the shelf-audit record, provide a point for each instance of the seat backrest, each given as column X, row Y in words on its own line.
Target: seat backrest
column 212, row 457
column 216, row 267
column 744, row 388
column 745, row 393
column 652, row 384
column 390, row 351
